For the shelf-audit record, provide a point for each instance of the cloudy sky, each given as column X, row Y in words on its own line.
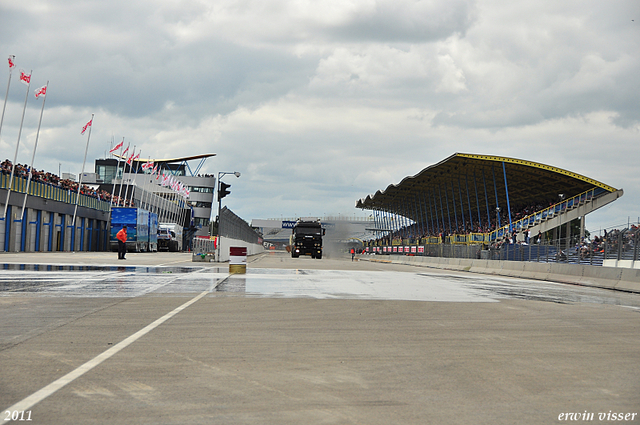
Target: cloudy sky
column 319, row 103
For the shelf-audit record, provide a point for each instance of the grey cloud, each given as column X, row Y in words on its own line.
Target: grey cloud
column 407, row 21
column 318, row 111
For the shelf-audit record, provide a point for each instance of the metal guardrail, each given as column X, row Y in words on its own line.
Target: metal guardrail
column 203, row 249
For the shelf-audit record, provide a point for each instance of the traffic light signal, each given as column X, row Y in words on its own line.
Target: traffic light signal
column 224, row 190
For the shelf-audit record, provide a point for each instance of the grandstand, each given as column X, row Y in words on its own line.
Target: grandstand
column 471, row 199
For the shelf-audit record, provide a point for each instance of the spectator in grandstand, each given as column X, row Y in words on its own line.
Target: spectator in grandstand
column 52, row 179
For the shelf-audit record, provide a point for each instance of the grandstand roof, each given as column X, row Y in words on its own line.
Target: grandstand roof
column 464, row 179
column 171, row 160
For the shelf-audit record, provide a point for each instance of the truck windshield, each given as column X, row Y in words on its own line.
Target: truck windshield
column 314, row 231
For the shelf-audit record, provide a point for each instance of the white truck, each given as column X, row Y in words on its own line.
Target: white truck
column 169, row 237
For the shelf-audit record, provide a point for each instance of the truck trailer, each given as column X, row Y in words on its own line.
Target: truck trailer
column 137, row 222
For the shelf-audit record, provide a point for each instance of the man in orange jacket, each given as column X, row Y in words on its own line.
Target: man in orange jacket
column 121, row 236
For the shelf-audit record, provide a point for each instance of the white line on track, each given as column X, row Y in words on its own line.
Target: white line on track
column 46, row 391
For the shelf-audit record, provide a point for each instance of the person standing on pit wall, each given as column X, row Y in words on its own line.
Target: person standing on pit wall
column 121, row 236
column 353, row 253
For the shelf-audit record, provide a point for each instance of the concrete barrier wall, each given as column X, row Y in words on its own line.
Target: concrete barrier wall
column 226, row 243
column 624, row 279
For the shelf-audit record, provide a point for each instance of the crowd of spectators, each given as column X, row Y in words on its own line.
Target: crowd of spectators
column 416, row 233
column 64, row 184
column 623, row 240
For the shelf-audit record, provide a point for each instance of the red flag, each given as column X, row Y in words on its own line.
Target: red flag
column 155, row 169
column 147, row 165
column 24, row 77
column 125, row 151
column 11, row 63
column 116, row 147
column 87, row 125
column 42, row 91
column 130, row 159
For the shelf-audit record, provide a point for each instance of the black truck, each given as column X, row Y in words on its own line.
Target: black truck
column 306, row 239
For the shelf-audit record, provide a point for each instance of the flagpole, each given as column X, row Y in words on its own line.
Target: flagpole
column 150, row 190
column 156, row 202
column 163, row 203
column 126, row 192
column 33, row 156
column 75, row 210
column 135, row 181
column 124, row 167
column 135, row 184
column 175, row 207
column 117, row 168
column 144, row 185
column 15, row 156
column 7, row 93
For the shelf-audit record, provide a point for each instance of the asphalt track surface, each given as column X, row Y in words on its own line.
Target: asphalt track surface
column 158, row 339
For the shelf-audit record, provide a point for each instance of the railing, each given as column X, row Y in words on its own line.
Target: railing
column 519, row 225
column 49, row 191
column 620, row 245
column 543, row 215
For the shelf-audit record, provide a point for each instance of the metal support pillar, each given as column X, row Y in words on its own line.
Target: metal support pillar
column 486, row 200
column 464, row 221
column 495, row 188
column 466, row 183
column 506, row 189
column 455, row 211
column 475, row 188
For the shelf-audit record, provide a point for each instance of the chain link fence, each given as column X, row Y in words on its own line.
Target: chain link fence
column 233, row 227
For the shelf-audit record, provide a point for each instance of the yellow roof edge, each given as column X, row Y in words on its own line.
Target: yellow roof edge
column 170, row 160
column 538, row 165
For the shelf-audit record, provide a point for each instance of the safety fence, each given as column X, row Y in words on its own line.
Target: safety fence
column 234, row 227
column 615, row 245
column 49, row 191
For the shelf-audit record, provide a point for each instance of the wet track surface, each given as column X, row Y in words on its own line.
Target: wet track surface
column 132, row 281
column 165, row 340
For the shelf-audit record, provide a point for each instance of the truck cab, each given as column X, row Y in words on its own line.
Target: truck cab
column 306, row 239
column 169, row 237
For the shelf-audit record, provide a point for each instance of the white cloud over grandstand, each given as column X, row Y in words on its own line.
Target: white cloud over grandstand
column 320, row 103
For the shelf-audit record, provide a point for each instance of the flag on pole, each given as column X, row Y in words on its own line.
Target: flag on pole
column 116, row 147
column 42, row 91
column 130, row 159
column 147, row 165
column 24, row 77
column 87, row 125
column 125, row 151
column 155, row 169
column 11, row 62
